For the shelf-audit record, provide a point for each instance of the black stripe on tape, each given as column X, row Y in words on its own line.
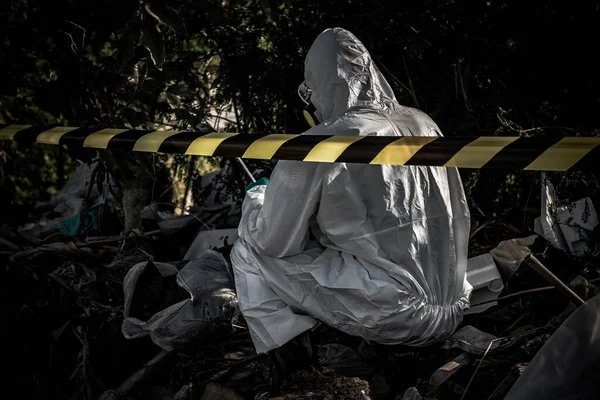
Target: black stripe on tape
column 76, row 137
column 125, row 140
column 366, row 149
column 179, row 142
column 590, row 162
column 522, row 152
column 30, row 135
column 440, row 151
column 236, row 146
column 298, row 147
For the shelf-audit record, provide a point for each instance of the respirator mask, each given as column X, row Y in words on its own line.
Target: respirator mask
column 309, row 111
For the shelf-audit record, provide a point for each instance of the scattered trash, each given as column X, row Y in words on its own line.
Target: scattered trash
column 211, row 300
column 485, row 278
column 172, row 287
column 214, row 391
column 212, row 189
column 446, row 371
column 71, row 225
column 471, row 340
column 81, row 195
column 341, row 360
column 134, row 380
column 185, row 393
column 412, row 393
column 566, row 227
column 581, row 287
column 249, row 375
column 210, row 240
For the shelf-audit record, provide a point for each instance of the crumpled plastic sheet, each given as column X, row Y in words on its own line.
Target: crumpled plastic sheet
column 412, row 393
column 341, row 360
column 566, row 367
column 210, row 240
column 212, row 300
column 471, row 340
column 69, row 202
column 213, row 189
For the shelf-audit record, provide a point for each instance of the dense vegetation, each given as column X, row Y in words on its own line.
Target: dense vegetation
column 478, row 68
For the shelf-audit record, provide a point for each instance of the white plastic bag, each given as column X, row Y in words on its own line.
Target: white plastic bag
column 212, row 301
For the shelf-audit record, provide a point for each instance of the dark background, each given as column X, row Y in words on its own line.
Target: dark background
column 478, row 68
column 503, row 67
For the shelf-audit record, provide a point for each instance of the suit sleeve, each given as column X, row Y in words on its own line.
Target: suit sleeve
column 276, row 218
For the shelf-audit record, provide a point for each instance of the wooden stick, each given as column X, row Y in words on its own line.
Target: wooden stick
column 545, row 273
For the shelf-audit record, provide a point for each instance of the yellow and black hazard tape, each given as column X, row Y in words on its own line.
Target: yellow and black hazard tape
column 537, row 154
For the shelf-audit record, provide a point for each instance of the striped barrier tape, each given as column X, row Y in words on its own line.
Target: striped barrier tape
column 536, row 154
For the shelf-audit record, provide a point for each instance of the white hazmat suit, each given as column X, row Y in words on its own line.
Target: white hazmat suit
column 390, row 256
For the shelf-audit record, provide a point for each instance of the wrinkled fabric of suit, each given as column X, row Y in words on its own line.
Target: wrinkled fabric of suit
column 390, row 256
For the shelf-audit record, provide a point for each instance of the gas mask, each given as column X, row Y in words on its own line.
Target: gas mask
column 309, row 110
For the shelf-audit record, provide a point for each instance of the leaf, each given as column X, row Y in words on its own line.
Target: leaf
column 153, row 42
column 143, row 75
column 56, row 334
column 180, row 90
column 166, row 16
column 173, row 100
column 183, row 114
column 75, row 372
column 127, row 46
column 131, row 118
column 100, row 175
column 268, row 11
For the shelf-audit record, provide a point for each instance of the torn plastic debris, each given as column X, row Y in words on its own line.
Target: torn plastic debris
column 215, row 192
column 254, row 373
column 566, row 227
column 69, row 202
column 567, row 366
column 341, row 360
column 185, row 393
column 70, row 226
column 136, row 378
column 412, row 393
column 446, row 371
column 212, row 302
column 214, row 391
column 485, row 278
column 211, row 240
column 471, row 340
column 174, row 224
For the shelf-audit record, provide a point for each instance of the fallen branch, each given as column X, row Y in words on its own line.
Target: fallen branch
column 9, row 244
column 75, row 248
column 137, row 377
column 528, row 291
column 545, row 273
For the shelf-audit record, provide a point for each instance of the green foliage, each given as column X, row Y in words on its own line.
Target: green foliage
column 485, row 68
column 28, row 180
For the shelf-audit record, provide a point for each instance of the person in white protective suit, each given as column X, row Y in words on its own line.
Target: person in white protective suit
column 390, row 256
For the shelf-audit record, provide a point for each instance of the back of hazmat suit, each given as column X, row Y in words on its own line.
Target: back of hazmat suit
column 389, row 258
